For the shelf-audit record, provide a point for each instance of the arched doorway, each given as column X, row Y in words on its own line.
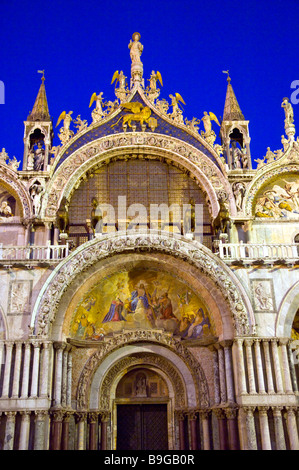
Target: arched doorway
column 142, row 402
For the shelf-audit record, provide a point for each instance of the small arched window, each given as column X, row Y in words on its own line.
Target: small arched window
column 296, row 240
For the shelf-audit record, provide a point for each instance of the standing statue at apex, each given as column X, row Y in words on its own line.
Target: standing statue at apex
column 136, row 48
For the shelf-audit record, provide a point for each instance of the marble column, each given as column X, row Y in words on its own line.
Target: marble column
column 17, row 371
column 292, row 428
column 26, row 369
column 181, row 421
column 69, row 379
column 232, row 428
column 250, row 367
column 228, row 371
column 278, row 428
column 204, row 417
column 216, row 375
column 192, row 419
column 241, row 368
column 259, row 367
column 221, row 368
column 81, row 421
column 35, row 369
column 56, row 429
column 250, row 428
column 264, row 426
column 92, row 421
column 65, row 430
column 269, row 375
column 222, row 426
column 2, row 356
column 64, row 375
column 24, row 430
column 9, row 430
column 7, row 369
column 41, row 416
column 292, row 368
column 285, row 365
column 59, row 347
column 44, row 388
column 277, row 369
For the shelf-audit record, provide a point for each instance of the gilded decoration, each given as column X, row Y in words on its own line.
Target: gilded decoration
column 141, row 299
column 279, row 199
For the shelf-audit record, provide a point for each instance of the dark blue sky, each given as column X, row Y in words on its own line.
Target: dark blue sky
column 81, row 43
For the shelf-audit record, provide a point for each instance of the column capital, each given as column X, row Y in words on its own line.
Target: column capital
column 80, row 416
column 10, row 415
column 219, row 413
column 231, row 413
column 226, row 343
column 248, row 342
column 59, row 345
column 57, row 415
column 93, row 417
column 41, row 414
column 249, row 410
column 191, row 414
column 105, row 415
column 263, row 409
column 204, row 414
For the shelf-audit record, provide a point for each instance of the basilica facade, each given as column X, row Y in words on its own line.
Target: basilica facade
column 149, row 278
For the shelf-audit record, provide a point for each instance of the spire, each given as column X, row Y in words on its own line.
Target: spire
column 232, row 111
column 40, row 111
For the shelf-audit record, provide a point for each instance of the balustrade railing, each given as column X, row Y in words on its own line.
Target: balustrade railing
column 33, row 253
column 258, row 251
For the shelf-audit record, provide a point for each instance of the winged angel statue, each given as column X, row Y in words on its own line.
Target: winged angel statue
column 138, row 113
column 65, row 132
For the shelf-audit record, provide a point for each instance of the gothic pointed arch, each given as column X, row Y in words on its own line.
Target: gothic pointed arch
column 9, row 179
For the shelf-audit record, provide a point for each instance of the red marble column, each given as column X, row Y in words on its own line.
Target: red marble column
column 104, row 423
column 192, row 417
column 93, row 421
column 223, row 438
column 65, row 431
column 232, row 428
column 181, row 419
column 56, row 430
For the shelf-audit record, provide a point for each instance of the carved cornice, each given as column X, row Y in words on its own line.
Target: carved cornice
column 98, row 249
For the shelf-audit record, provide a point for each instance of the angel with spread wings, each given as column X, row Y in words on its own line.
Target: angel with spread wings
column 175, row 102
column 119, row 77
column 153, row 80
column 207, row 118
column 66, row 118
column 98, row 111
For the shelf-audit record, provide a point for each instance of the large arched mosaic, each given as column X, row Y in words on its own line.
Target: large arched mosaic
column 97, row 249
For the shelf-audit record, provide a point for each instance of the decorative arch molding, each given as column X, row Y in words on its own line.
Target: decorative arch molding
column 134, row 347
column 100, row 248
column 3, row 323
column 287, row 311
column 67, row 176
column 263, row 177
column 10, row 180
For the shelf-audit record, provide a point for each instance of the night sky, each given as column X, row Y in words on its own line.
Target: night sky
column 80, row 44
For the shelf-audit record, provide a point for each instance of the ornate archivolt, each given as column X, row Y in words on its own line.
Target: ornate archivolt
column 288, row 163
column 159, row 340
column 67, row 176
column 85, row 256
column 10, row 180
column 287, row 312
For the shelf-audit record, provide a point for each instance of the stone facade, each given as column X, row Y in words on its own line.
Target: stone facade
column 200, row 316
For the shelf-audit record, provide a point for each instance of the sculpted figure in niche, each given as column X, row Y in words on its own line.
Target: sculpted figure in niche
column 39, row 155
column 239, row 191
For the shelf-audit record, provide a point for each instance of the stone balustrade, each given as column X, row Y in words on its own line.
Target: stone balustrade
column 249, row 252
column 31, row 253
